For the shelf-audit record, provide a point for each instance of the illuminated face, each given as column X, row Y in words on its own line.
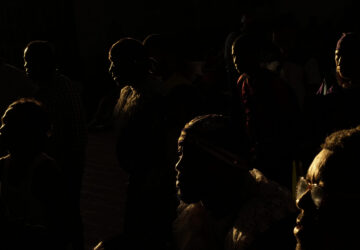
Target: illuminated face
column 236, row 60
column 32, row 70
column 326, row 215
column 37, row 66
column 344, row 63
column 114, row 69
column 188, row 178
column 243, row 58
column 307, row 223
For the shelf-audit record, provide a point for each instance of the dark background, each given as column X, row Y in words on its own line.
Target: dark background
column 83, row 30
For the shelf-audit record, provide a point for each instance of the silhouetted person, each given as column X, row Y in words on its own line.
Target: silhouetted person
column 159, row 51
column 13, row 85
column 225, row 203
column 33, row 191
column 268, row 110
column 139, row 120
column 63, row 102
column 328, row 196
column 338, row 108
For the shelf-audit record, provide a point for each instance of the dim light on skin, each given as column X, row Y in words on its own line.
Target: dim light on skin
column 338, row 59
column 234, row 59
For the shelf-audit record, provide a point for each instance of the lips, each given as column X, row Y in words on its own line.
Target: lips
column 305, row 227
column 298, row 230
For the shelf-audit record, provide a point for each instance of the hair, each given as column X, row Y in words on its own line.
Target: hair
column 39, row 50
column 244, row 43
column 27, row 115
column 349, row 42
column 343, row 165
column 249, row 49
column 153, row 41
column 128, row 49
column 214, row 130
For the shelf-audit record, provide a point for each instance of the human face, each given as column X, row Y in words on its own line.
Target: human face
column 28, row 65
column 113, row 69
column 344, row 63
column 325, row 207
column 37, row 67
column 188, row 176
column 236, row 60
column 307, row 226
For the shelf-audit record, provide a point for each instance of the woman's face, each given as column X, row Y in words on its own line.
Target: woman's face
column 188, row 178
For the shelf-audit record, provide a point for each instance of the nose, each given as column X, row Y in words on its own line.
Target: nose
column 338, row 61
column 178, row 166
column 305, row 201
column 111, row 67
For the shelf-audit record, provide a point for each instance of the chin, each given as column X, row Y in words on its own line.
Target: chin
column 187, row 197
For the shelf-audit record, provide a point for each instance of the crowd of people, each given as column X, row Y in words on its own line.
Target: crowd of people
column 213, row 148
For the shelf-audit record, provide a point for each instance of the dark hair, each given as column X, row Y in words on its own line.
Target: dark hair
column 349, row 42
column 40, row 51
column 129, row 49
column 28, row 116
column 215, row 134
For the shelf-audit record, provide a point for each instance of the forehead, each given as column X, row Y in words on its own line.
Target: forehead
column 109, row 55
column 314, row 173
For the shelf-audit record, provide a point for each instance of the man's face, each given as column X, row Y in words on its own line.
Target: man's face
column 242, row 59
column 188, row 178
column 325, row 216
column 344, row 62
column 36, row 67
column 114, row 69
column 31, row 69
column 236, row 60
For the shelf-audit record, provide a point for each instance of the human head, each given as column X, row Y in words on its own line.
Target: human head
column 128, row 61
column 208, row 162
column 25, row 126
column 332, row 221
column 155, row 45
column 245, row 53
column 347, row 54
column 39, row 60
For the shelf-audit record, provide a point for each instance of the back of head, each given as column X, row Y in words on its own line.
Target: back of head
column 25, row 122
column 154, row 41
